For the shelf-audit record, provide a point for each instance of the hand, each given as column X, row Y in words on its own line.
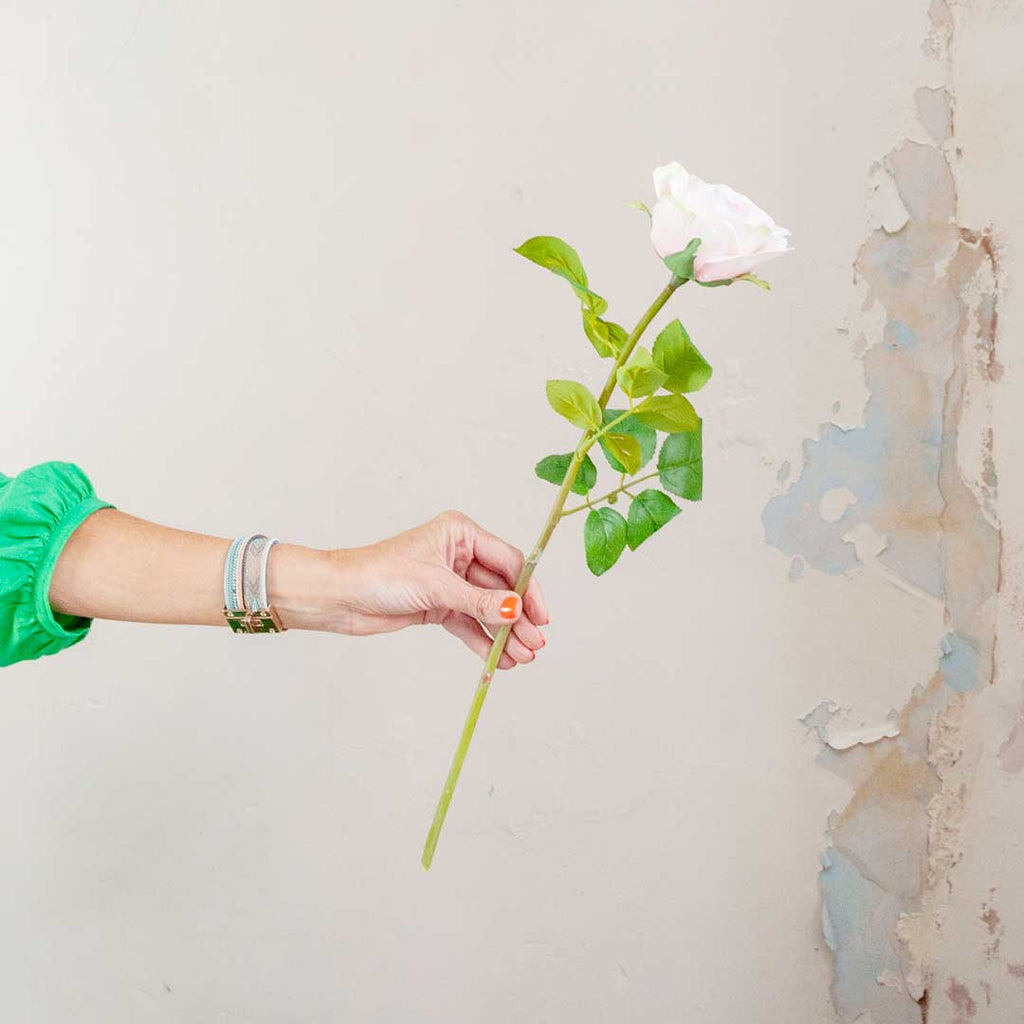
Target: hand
column 448, row 572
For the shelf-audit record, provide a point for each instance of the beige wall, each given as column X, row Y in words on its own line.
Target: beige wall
column 292, row 223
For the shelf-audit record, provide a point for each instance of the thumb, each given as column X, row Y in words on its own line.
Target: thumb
column 495, row 607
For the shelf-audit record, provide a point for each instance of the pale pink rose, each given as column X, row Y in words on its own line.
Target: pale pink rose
column 736, row 236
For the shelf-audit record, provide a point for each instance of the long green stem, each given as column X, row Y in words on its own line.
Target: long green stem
column 500, row 639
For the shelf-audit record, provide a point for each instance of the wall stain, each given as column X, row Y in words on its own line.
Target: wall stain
column 959, row 996
column 923, row 480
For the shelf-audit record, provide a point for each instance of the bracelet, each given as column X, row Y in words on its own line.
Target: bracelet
column 246, row 604
column 251, row 560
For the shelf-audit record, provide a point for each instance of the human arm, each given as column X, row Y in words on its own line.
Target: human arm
column 66, row 557
column 449, row 572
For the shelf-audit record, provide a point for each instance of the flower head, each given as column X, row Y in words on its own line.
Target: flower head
column 736, row 235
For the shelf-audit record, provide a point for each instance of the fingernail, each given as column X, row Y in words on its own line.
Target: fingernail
column 543, row 642
column 509, row 607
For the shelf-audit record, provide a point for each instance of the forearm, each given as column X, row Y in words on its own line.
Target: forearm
column 115, row 566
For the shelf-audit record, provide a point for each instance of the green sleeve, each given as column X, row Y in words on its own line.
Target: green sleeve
column 39, row 509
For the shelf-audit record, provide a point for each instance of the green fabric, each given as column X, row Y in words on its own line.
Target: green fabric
column 39, row 509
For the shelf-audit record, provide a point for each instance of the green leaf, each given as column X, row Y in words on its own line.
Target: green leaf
column 557, row 256
column 640, row 376
column 754, row 279
column 562, row 259
column 637, row 204
column 626, row 450
column 716, row 284
column 668, row 412
column 554, row 467
column 590, row 302
column 681, row 464
column 606, row 337
column 575, row 403
column 685, row 368
column 604, row 539
column 649, row 512
column 645, row 435
column 681, row 263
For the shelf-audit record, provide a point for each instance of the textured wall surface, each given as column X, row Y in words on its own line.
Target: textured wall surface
column 795, row 793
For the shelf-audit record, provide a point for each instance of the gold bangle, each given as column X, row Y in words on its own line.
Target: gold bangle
column 264, row 620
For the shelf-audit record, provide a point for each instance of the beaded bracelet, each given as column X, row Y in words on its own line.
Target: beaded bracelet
column 246, row 604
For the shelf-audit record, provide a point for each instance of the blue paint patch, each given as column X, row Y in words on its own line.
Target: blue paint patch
column 838, row 458
column 899, row 334
column 960, row 663
column 854, row 915
column 890, row 464
column 891, row 259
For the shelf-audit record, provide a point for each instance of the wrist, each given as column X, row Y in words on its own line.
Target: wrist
column 303, row 586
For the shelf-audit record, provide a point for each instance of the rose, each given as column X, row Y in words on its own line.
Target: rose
column 704, row 232
column 736, row 235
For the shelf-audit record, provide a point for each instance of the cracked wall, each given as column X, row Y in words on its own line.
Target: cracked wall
column 912, row 494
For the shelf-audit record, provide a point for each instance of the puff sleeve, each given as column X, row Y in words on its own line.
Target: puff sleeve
column 39, row 510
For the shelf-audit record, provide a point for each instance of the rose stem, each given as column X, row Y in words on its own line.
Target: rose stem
column 529, row 566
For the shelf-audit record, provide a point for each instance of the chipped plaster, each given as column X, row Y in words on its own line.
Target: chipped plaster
column 909, row 493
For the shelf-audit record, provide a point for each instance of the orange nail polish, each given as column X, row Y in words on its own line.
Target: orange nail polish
column 509, row 607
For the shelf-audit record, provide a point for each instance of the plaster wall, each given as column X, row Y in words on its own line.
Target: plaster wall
column 258, row 275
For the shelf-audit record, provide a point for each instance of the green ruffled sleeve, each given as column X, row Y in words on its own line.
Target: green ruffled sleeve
column 39, row 510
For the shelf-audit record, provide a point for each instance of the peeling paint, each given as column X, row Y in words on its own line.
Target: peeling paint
column 1011, row 753
column 959, row 663
column 908, row 493
column 857, row 918
column 828, row 719
column 935, row 111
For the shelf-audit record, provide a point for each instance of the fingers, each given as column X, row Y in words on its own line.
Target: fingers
column 472, row 634
column 495, row 607
column 523, row 629
column 516, row 649
column 506, row 560
column 534, row 603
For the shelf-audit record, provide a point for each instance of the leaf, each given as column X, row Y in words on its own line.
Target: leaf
column 575, row 403
column 672, row 413
column 681, row 263
column 604, row 539
column 640, row 376
column 685, row 368
column 562, row 259
column 645, row 435
column 626, row 450
column 754, row 279
column 557, row 256
column 591, row 302
column 681, row 464
column 716, row 284
column 648, row 513
column 553, row 468
column 606, row 337
column 637, row 204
